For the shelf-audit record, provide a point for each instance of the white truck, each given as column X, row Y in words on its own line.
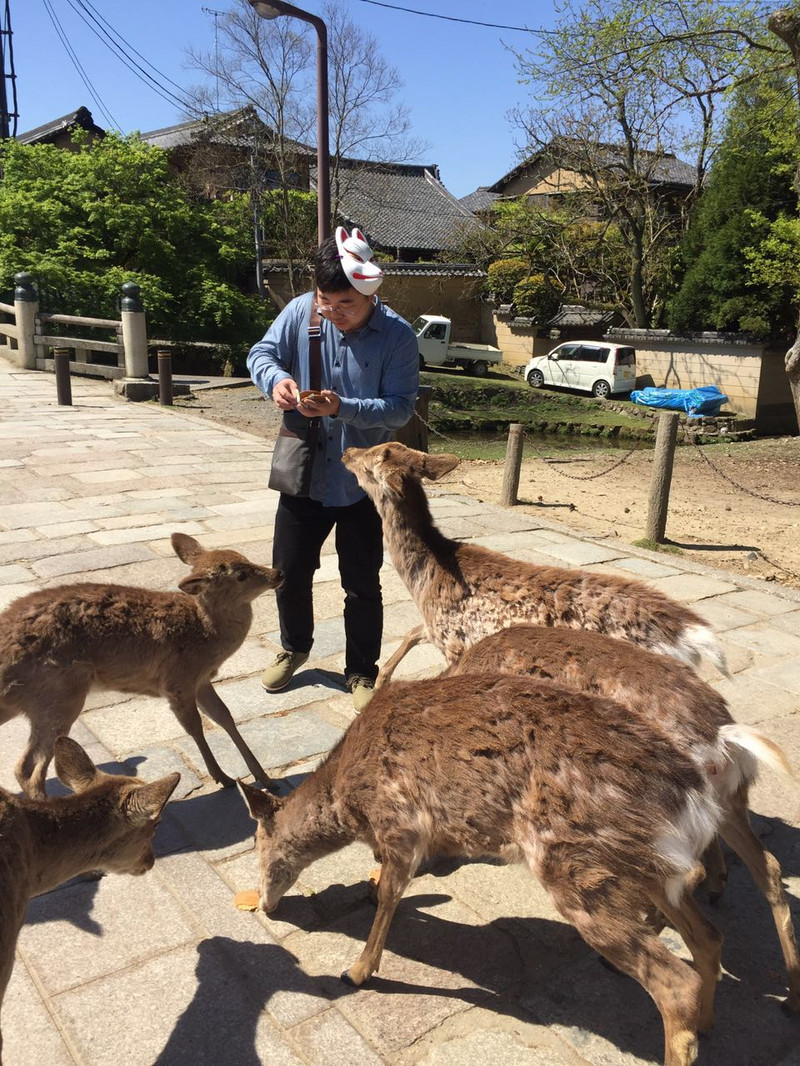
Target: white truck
column 435, row 349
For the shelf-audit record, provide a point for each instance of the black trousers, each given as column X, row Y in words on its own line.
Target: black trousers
column 301, row 527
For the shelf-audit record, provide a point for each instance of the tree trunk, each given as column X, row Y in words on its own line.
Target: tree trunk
column 786, row 25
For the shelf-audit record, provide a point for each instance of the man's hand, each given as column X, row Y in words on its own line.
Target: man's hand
column 327, row 403
column 285, row 394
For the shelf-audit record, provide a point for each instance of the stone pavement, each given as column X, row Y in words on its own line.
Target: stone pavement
column 479, row 967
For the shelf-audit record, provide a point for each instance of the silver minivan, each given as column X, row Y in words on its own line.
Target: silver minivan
column 591, row 366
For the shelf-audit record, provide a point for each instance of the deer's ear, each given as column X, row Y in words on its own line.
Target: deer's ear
column 185, row 547
column 146, row 802
column 74, row 768
column 263, row 806
column 193, row 584
column 436, row 466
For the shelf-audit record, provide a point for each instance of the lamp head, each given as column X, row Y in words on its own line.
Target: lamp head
column 267, row 10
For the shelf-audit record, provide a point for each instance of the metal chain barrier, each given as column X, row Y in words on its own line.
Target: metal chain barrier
column 743, row 488
column 590, row 477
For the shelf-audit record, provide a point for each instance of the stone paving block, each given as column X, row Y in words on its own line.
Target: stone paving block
column 297, row 909
column 9, row 593
column 200, row 1005
column 90, row 561
column 42, row 549
column 581, row 553
column 521, row 1045
column 424, row 660
column 721, row 615
column 23, row 515
column 145, row 533
column 57, row 530
column 767, row 603
column 329, row 1040
column 89, row 929
column 642, row 568
column 247, row 699
column 118, row 476
column 782, row 675
column 789, row 623
column 766, row 640
column 141, row 722
column 154, row 762
column 753, row 700
column 688, row 588
column 398, row 618
column 30, row 1035
column 13, row 574
column 15, row 536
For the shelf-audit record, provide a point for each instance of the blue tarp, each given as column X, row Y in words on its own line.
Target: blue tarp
column 705, row 400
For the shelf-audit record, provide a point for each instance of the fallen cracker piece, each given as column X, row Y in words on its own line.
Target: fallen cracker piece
column 247, row 900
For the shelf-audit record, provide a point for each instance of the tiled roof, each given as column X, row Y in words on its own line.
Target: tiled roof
column 578, row 315
column 233, row 127
column 660, row 169
column 41, row 134
column 402, row 206
column 405, row 270
column 479, row 200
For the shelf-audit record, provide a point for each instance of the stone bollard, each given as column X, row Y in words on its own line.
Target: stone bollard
column 26, row 308
column 164, row 377
column 137, row 383
column 63, row 383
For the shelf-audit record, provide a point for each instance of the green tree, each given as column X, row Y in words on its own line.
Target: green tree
column 84, row 221
column 750, row 188
column 622, row 89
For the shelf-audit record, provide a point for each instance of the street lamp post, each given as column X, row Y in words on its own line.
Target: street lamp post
column 270, row 9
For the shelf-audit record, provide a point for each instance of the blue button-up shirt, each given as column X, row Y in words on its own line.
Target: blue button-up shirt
column 374, row 371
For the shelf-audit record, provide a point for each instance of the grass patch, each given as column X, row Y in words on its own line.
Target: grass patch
column 655, row 546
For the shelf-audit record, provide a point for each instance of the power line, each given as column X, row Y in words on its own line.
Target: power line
column 119, row 52
column 451, row 18
column 76, row 63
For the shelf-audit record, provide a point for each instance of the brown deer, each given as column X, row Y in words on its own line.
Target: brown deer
column 605, row 809
column 58, row 643
column 108, row 825
column 464, row 592
column 675, row 700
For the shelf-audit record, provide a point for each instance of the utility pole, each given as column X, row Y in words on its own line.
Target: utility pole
column 8, row 116
column 216, row 14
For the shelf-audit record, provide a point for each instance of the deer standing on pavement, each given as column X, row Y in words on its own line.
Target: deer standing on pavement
column 673, row 699
column 606, row 810
column 108, row 825
column 58, row 643
column 464, row 592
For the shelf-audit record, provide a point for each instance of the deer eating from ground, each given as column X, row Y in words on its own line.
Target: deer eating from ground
column 675, row 700
column 464, row 592
column 58, row 643
column 108, row 825
column 605, row 809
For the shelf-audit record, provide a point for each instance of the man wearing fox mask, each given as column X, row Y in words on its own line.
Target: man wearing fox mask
column 365, row 388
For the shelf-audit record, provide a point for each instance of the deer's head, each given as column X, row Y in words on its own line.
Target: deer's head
column 222, row 573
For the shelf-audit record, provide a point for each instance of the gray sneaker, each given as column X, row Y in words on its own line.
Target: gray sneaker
column 280, row 673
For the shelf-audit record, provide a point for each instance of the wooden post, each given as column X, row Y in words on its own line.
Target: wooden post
column 414, row 434
column 164, row 377
column 508, row 494
column 666, row 435
column 63, row 384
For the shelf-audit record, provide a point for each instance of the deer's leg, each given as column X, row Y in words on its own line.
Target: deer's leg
column 396, row 874
column 185, row 710
column 704, row 941
column 716, row 871
column 410, row 640
column 738, row 834
column 610, row 923
column 53, row 716
column 216, row 709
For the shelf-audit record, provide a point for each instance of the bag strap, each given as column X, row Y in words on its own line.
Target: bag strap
column 314, row 349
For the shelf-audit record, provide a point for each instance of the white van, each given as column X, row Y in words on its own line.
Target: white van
column 591, row 366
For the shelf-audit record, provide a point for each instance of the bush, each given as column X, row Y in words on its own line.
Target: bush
column 503, row 276
column 537, row 297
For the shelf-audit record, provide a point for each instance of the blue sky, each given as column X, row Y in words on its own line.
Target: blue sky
column 459, row 79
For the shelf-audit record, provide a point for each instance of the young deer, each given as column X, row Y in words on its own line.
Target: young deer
column 108, row 825
column 675, row 700
column 464, row 592
column 57, row 644
column 605, row 809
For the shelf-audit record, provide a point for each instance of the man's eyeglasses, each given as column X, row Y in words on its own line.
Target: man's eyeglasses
column 327, row 309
